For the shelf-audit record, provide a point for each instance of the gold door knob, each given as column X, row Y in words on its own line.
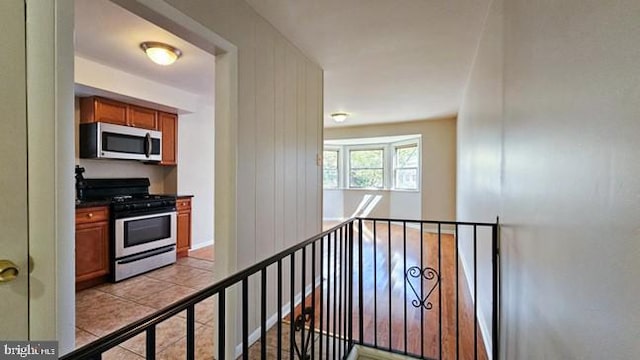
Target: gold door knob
column 8, row 271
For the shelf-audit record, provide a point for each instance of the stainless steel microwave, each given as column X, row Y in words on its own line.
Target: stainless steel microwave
column 108, row 141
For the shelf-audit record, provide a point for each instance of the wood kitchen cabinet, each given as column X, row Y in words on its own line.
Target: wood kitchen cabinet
column 141, row 117
column 97, row 109
column 92, row 246
column 183, row 207
column 169, row 127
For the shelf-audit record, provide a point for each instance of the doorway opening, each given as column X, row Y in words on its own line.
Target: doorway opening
column 221, row 109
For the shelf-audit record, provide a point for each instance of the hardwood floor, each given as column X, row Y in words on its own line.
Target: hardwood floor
column 390, row 302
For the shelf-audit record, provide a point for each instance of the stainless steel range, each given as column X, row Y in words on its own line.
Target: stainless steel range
column 143, row 226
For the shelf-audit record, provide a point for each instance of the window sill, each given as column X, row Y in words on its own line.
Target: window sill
column 372, row 189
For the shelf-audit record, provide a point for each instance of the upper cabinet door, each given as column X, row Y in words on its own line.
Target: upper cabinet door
column 169, row 128
column 141, row 117
column 94, row 109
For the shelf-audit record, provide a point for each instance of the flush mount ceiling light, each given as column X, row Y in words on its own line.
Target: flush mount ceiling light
column 339, row 116
column 159, row 53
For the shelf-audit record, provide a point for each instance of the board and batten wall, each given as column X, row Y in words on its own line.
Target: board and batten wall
column 279, row 130
column 548, row 139
column 279, row 136
column 438, row 172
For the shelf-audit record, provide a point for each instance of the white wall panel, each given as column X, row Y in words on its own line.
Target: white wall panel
column 277, row 186
column 265, row 136
column 313, row 117
column 279, row 140
column 290, row 146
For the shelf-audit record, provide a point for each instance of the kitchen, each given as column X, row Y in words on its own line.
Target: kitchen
column 144, row 223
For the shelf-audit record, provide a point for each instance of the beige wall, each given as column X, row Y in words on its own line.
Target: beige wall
column 195, row 172
column 438, row 159
column 352, row 198
column 479, row 161
column 548, row 139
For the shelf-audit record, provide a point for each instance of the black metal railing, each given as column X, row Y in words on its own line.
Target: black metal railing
column 395, row 285
column 421, row 289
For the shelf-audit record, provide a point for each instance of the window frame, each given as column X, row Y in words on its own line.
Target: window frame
column 349, row 149
column 404, row 145
column 389, row 164
column 338, row 151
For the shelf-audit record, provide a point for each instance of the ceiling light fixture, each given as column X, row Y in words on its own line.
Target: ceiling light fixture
column 159, row 53
column 339, row 116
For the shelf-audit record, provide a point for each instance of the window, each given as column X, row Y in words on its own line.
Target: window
column 366, row 168
column 330, row 174
column 406, row 167
column 382, row 163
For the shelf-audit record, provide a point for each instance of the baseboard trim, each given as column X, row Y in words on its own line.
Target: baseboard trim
column 334, row 219
column 375, row 354
column 201, row 245
column 482, row 321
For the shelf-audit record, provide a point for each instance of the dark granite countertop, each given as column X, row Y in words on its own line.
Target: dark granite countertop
column 88, row 204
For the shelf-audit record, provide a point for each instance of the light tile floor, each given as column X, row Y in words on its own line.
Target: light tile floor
column 108, row 307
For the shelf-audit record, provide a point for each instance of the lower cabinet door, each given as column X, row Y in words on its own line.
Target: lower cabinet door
column 92, row 250
column 184, row 233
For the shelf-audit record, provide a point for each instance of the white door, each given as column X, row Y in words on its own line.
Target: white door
column 36, row 153
column 14, row 316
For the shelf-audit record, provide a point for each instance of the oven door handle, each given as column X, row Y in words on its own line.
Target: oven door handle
column 146, row 254
column 124, row 219
column 148, row 145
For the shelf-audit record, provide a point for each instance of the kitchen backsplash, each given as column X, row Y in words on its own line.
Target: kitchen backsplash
column 159, row 176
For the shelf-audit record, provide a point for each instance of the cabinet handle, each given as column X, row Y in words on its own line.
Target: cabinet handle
column 90, row 215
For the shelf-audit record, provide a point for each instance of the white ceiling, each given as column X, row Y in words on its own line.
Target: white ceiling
column 384, row 60
column 108, row 34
